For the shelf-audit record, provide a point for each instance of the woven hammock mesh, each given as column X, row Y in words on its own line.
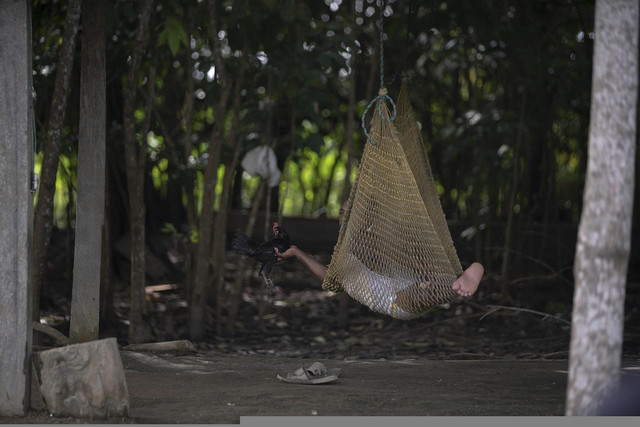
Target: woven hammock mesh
column 394, row 251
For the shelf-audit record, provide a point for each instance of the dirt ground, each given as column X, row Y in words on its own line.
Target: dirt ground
column 480, row 357
column 220, row 388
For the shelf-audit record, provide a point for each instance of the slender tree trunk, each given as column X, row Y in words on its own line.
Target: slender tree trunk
column 492, row 212
column 267, row 141
column 604, row 236
column 182, row 164
column 43, row 217
column 512, row 198
column 135, row 159
column 220, row 239
column 287, row 163
column 198, row 298
column 343, row 302
column 241, row 267
column 189, row 175
column 332, row 175
column 304, row 210
column 551, row 202
column 351, row 107
column 236, row 191
column 317, row 184
column 220, row 235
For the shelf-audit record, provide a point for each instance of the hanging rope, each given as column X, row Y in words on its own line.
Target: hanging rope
column 406, row 40
column 382, row 93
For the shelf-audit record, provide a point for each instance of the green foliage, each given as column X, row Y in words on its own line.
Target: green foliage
column 173, row 35
column 169, row 229
column 470, row 66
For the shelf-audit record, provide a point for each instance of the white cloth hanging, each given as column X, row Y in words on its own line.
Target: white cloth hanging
column 262, row 161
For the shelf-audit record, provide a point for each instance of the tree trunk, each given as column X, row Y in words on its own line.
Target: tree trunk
column 43, row 217
column 236, row 191
column 220, row 239
column 198, row 298
column 240, row 270
column 317, row 184
column 550, row 215
column 85, row 306
column 508, row 234
column 604, row 235
column 268, row 141
column 343, row 302
column 287, row 162
column 351, row 107
column 220, row 236
column 189, row 175
column 135, row 159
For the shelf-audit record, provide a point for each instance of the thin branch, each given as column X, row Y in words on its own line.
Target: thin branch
column 63, row 168
column 146, row 124
column 494, row 308
column 539, row 278
column 533, row 259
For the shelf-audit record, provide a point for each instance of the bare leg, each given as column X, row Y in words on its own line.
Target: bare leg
column 467, row 284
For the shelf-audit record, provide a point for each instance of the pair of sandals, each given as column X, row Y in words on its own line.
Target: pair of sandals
column 317, row 373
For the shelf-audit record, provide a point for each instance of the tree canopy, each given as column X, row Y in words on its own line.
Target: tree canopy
column 482, row 73
column 501, row 90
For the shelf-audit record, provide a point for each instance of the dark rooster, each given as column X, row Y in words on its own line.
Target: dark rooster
column 263, row 252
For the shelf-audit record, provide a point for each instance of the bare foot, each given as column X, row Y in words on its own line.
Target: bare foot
column 467, row 284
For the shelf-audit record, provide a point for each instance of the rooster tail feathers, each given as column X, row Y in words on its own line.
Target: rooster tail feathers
column 242, row 245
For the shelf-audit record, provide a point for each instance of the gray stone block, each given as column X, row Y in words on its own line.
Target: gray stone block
column 83, row 380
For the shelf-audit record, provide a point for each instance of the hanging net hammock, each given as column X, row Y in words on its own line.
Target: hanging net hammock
column 394, row 251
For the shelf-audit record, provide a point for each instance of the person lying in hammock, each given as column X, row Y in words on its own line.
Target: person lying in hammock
column 465, row 285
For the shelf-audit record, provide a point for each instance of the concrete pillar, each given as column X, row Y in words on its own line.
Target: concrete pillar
column 16, row 206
